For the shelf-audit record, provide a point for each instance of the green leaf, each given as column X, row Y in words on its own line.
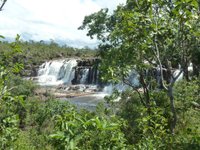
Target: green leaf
column 194, row 3
column 2, row 37
column 58, row 135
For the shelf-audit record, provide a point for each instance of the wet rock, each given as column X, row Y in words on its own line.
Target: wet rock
column 86, row 71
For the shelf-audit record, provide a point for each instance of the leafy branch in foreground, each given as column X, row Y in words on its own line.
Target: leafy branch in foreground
column 9, row 105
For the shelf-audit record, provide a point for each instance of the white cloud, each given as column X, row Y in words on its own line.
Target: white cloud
column 49, row 19
column 111, row 4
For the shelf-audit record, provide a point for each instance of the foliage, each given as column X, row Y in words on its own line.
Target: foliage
column 144, row 36
column 82, row 131
column 39, row 123
column 153, row 129
column 187, row 101
column 187, row 93
column 35, row 53
column 22, row 86
column 62, row 125
column 10, row 106
column 8, row 131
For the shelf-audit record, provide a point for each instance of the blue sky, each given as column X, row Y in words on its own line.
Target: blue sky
column 50, row 19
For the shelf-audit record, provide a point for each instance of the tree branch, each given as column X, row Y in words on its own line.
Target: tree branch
column 160, row 65
column 1, row 7
column 135, row 89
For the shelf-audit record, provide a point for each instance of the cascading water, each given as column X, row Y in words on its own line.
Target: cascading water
column 176, row 72
column 84, row 73
column 133, row 79
column 67, row 72
column 84, row 77
column 56, row 72
column 80, row 79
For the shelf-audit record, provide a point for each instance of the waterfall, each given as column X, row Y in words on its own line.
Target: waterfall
column 68, row 71
column 81, row 73
column 84, row 77
column 56, row 72
column 133, row 79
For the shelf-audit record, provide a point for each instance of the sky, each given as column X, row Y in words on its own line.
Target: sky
column 46, row 20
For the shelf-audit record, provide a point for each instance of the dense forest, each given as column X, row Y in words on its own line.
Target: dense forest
column 158, row 39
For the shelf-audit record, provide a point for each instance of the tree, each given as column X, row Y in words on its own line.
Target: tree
column 147, row 35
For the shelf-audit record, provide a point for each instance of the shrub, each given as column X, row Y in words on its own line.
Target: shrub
column 22, row 86
column 83, row 131
column 10, row 106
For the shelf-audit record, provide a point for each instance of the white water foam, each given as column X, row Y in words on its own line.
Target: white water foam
column 56, row 72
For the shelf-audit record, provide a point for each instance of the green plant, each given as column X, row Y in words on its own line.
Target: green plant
column 154, row 131
column 22, row 86
column 83, row 131
column 10, row 106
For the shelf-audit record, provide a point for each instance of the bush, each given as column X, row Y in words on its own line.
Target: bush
column 22, row 86
column 10, row 106
column 74, row 130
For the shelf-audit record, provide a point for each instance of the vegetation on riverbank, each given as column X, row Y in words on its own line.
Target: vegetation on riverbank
column 30, row 122
column 35, row 53
column 53, row 124
column 157, row 114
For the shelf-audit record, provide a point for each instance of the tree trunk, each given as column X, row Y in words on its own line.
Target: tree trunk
column 173, row 110
column 195, row 70
column 146, row 90
column 186, row 74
